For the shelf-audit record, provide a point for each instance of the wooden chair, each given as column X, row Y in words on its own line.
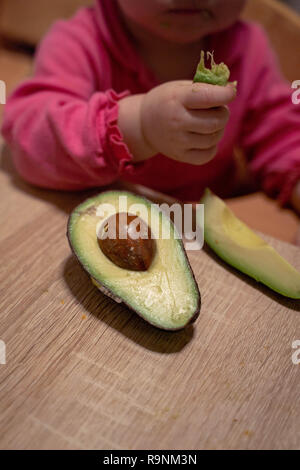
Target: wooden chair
column 283, row 27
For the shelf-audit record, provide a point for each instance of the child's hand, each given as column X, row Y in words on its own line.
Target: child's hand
column 186, row 121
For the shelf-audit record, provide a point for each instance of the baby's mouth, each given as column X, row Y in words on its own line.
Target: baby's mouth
column 191, row 11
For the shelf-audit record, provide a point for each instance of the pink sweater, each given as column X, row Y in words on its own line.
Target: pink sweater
column 62, row 123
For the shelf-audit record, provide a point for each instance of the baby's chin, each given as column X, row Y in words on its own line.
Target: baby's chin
column 182, row 36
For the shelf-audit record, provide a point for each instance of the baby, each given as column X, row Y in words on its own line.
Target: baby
column 112, row 97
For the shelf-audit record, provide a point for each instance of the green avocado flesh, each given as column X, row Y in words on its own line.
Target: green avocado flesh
column 218, row 74
column 166, row 295
column 240, row 247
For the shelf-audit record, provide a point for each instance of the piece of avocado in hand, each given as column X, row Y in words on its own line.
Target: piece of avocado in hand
column 217, row 74
column 134, row 256
column 243, row 249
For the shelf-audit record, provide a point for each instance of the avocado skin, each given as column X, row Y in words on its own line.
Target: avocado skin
column 251, row 270
column 112, row 294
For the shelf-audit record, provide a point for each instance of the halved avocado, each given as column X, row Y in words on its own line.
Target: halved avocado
column 240, row 247
column 166, row 294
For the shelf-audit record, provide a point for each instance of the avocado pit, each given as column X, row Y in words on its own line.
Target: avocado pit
column 126, row 240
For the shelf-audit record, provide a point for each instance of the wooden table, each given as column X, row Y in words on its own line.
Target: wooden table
column 84, row 372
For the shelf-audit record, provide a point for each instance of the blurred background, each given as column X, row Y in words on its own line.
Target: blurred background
column 24, row 22
column 27, row 20
column 293, row 3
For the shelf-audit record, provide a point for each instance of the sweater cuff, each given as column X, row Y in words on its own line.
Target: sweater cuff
column 116, row 149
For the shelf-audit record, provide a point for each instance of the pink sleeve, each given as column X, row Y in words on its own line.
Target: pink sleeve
column 63, row 133
column 271, row 130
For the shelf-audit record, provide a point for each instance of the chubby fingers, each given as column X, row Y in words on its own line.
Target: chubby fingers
column 199, row 156
column 203, row 141
column 206, row 121
column 202, row 133
column 200, row 148
column 205, row 96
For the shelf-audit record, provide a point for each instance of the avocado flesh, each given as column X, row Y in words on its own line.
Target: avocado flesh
column 166, row 295
column 240, row 247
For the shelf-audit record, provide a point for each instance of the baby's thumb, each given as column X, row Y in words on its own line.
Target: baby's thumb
column 204, row 96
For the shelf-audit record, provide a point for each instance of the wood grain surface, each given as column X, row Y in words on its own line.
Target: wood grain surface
column 83, row 372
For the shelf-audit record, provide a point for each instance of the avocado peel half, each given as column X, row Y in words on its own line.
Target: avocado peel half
column 166, row 295
column 239, row 246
